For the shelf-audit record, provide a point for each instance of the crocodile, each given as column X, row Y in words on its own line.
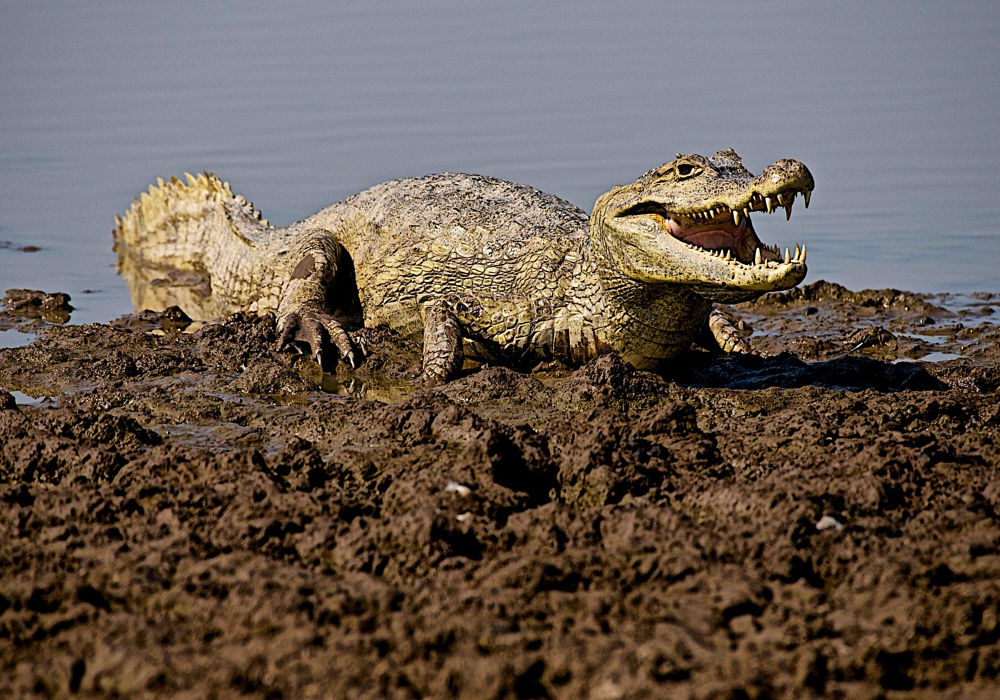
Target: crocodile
column 477, row 267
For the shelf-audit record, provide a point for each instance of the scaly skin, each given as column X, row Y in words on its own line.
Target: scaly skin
column 479, row 267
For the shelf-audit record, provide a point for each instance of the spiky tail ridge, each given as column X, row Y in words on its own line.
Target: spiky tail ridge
column 182, row 225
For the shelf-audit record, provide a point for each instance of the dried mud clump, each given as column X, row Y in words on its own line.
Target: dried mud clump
column 194, row 514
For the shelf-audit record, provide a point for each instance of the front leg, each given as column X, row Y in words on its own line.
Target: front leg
column 302, row 315
column 728, row 336
column 443, row 354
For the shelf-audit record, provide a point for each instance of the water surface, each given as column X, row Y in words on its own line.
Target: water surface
column 893, row 106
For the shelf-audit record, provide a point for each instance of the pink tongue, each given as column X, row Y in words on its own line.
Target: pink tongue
column 713, row 240
column 710, row 238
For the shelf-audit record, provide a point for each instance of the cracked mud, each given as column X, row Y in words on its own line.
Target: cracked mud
column 195, row 515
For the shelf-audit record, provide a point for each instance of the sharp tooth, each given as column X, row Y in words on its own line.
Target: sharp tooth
column 746, row 212
column 756, row 257
column 788, row 258
column 806, row 194
column 803, row 253
column 769, row 204
column 796, row 256
column 736, row 217
column 788, row 211
column 729, row 254
column 781, row 199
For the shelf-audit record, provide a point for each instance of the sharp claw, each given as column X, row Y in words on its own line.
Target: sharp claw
column 288, row 331
column 349, row 359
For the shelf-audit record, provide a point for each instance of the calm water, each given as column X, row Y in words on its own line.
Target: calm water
column 892, row 105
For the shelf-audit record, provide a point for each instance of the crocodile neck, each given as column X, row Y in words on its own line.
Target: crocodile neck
column 646, row 323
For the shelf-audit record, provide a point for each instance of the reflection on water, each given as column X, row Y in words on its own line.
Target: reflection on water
column 370, row 387
column 159, row 288
column 892, row 105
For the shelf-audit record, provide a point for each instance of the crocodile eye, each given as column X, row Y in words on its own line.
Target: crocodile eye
column 686, row 170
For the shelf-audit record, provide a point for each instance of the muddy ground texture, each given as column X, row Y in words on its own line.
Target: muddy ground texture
column 196, row 515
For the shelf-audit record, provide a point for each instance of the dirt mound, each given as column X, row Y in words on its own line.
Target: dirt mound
column 190, row 514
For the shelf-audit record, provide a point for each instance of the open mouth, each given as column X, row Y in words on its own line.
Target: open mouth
column 726, row 232
column 711, row 235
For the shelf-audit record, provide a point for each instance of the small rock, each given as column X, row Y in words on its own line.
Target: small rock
column 174, row 319
column 827, row 522
column 7, row 401
column 32, row 303
column 461, row 489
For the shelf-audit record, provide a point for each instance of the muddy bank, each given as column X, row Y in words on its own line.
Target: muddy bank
column 195, row 515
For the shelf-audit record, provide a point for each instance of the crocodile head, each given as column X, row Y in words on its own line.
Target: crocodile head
column 688, row 223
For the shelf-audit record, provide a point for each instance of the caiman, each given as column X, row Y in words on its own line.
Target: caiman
column 482, row 268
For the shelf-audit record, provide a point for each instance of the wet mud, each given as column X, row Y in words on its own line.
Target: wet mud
column 192, row 514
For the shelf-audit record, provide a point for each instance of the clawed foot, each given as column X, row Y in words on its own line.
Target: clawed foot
column 729, row 337
column 318, row 331
column 730, row 340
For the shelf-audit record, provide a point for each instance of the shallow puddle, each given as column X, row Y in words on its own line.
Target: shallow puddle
column 371, row 387
column 23, row 399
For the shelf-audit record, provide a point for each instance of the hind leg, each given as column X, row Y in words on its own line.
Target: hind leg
column 443, row 353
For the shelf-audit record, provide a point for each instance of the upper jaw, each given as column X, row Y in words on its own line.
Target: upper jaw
column 776, row 187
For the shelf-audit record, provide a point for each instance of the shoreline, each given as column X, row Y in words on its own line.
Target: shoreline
column 193, row 513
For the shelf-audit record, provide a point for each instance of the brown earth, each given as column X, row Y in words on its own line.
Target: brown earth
column 194, row 515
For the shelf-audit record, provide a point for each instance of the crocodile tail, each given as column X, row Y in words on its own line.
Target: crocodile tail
column 178, row 223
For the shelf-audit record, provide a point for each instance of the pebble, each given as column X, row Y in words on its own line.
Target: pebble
column 461, row 489
column 827, row 522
